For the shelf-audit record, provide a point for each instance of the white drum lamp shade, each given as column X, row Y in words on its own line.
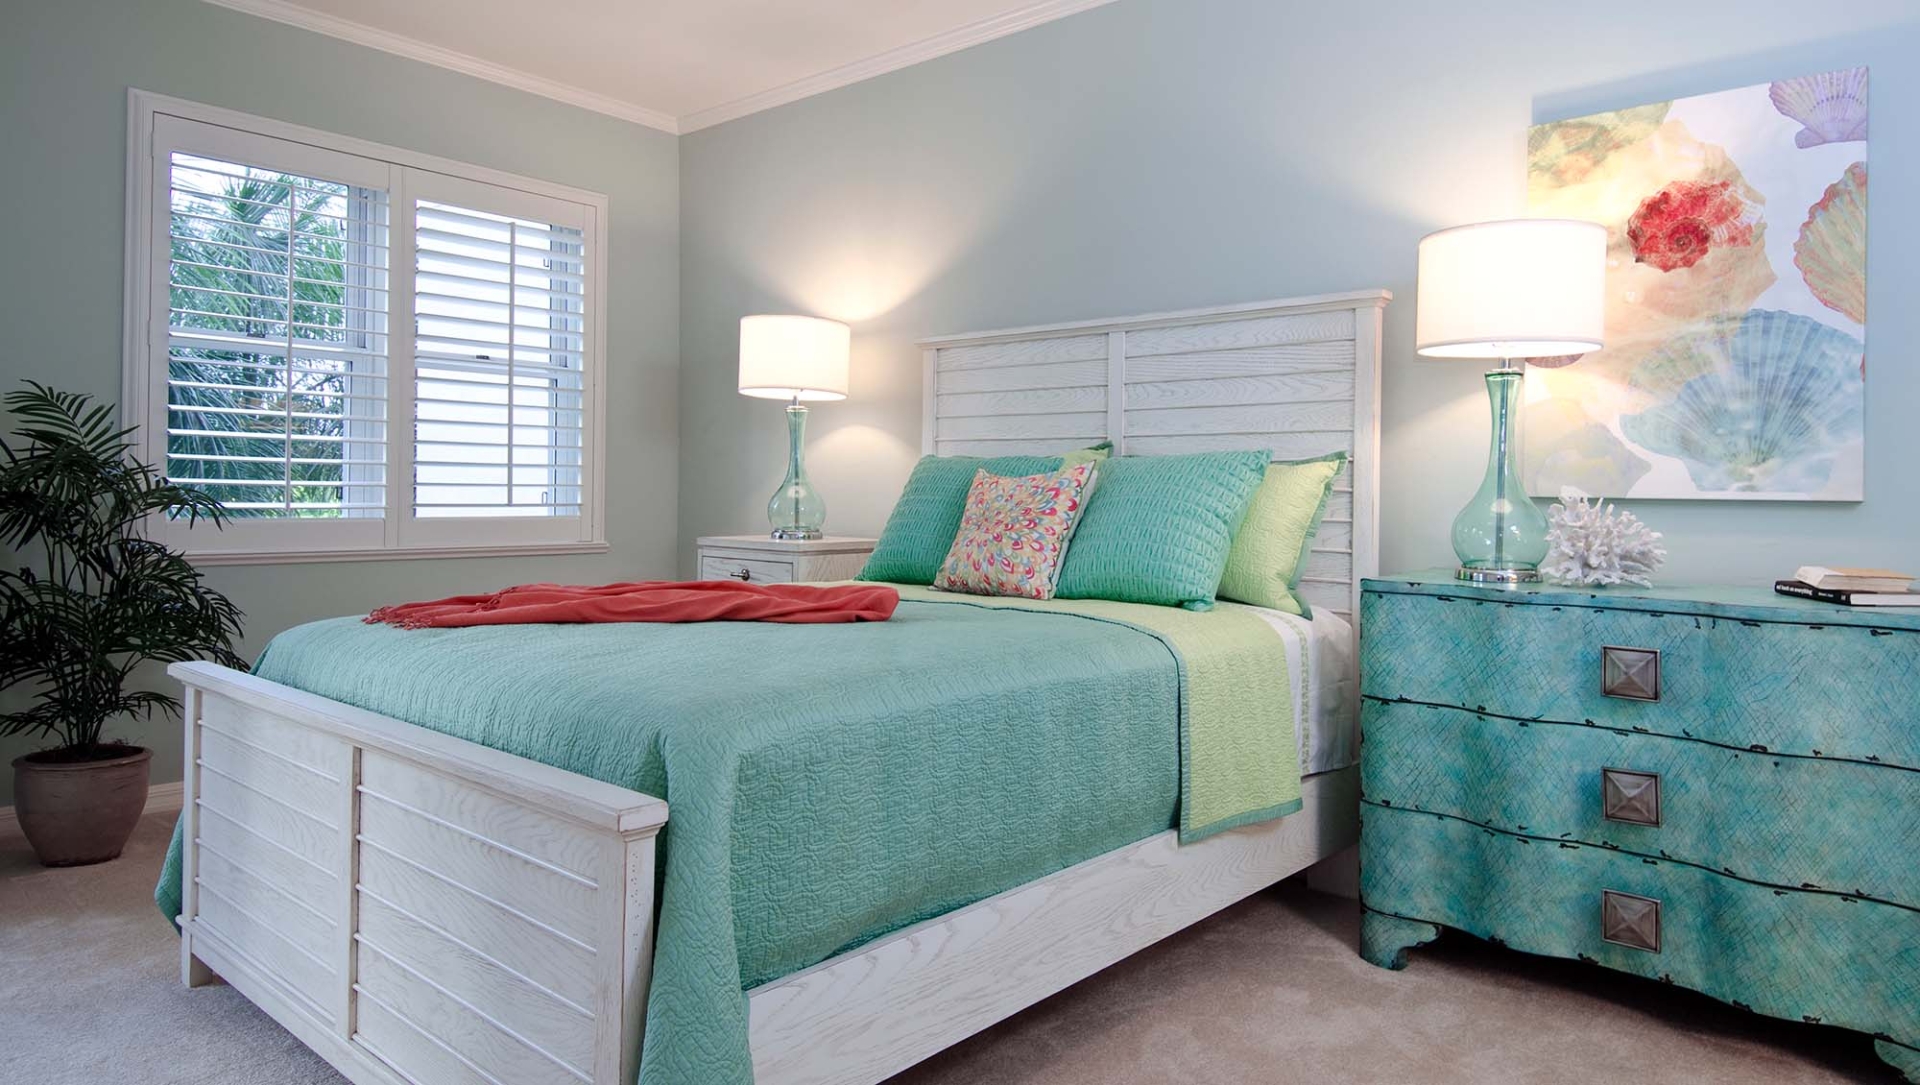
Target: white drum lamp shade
column 794, row 357
column 1524, row 288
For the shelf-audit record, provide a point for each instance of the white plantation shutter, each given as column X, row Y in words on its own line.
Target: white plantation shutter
column 499, row 364
column 276, row 344
column 278, row 277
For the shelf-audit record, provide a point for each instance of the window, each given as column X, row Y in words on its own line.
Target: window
column 359, row 351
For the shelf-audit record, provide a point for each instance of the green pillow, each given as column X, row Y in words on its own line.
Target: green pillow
column 1090, row 454
column 1158, row 528
column 921, row 528
column 1270, row 551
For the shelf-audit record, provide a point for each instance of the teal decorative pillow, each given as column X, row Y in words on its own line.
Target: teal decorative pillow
column 925, row 519
column 1015, row 532
column 1159, row 528
column 1270, row 549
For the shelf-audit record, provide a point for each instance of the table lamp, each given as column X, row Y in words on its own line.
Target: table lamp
column 1525, row 288
column 794, row 358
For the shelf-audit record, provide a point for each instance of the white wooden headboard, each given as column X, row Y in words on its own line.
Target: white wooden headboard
column 1300, row 377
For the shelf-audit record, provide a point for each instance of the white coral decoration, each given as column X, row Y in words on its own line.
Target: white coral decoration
column 1595, row 544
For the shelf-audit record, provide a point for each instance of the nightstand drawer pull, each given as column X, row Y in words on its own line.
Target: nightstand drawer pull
column 1631, row 674
column 744, row 574
column 1629, row 920
column 1629, row 797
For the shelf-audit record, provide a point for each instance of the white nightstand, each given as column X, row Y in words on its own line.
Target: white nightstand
column 758, row 559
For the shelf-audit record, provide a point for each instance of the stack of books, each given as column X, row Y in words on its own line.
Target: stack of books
column 1851, row 587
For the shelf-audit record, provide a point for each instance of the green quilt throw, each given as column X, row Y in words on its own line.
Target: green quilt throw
column 831, row 784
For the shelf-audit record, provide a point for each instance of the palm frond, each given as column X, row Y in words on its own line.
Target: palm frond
column 96, row 599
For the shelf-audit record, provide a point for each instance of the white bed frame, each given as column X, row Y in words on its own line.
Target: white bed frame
column 417, row 908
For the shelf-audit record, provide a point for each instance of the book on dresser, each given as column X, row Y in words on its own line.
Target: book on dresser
column 1848, row 597
column 1826, row 578
column 1718, row 788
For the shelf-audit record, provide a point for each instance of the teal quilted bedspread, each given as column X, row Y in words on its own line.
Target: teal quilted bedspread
column 829, row 784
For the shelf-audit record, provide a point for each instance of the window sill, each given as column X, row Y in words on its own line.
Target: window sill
column 301, row 557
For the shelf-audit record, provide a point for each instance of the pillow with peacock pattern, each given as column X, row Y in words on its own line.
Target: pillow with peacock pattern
column 1015, row 532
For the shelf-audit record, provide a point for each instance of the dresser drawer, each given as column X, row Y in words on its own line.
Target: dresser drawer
column 749, row 570
column 1777, row 819
column 1839, row 691
column 1790, row 954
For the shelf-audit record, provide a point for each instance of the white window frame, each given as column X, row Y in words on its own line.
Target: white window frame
column 399, row 534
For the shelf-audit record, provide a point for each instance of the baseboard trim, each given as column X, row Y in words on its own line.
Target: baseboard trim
column 161, row 799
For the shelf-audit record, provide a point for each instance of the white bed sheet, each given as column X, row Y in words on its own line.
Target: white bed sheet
column 1330, row 735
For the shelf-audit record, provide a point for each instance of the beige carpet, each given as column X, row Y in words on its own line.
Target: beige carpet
column 1269, row 991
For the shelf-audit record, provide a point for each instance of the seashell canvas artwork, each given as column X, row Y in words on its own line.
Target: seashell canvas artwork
column 1735, row 360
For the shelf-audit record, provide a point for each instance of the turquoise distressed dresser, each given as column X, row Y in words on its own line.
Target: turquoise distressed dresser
column 1715, row 787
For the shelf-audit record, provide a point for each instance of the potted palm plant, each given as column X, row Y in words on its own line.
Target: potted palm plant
column 85, row 600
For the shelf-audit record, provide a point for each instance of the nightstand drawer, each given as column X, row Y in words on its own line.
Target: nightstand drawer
column 1756, row 816
column 749, row 570
column 1764, row 686
column 757, row 559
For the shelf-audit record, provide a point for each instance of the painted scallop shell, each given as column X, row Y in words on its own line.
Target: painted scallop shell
column 1567, row 152
column 1555, row 361
column 1831, row 106
column 1780, row 401
column 1832, row 250
column 1679, row 225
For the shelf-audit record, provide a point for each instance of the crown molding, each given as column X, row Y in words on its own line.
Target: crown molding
column 952, row 41
column 280, row 11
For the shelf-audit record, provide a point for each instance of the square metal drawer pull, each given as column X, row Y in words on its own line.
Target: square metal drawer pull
column 1630, row 797
column 1630, row 673
column 1629, row 920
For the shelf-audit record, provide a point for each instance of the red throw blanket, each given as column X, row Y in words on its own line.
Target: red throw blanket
column 650, row 601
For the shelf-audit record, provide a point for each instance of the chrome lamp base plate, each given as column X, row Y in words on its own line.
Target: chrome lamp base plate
column 1498, row 576
column 796, row 534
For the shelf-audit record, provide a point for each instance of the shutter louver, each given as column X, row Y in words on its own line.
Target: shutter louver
column 276, row 340
column 499, row 362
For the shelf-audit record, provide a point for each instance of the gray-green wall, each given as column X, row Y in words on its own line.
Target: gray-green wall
column 66, row 68
column 1161, row 154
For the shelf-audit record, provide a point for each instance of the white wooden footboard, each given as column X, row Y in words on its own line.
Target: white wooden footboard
column 420, row 909
column 414, row 907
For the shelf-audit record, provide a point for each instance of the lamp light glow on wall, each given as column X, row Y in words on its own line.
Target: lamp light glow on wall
column 1523, row 288
column 795, row 358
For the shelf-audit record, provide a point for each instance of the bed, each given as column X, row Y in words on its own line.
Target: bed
column 458, row 913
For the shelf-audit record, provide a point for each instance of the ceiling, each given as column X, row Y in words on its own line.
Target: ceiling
column 676, row 65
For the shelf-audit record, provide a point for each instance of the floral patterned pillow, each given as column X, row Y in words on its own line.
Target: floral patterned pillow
column 1015, row 531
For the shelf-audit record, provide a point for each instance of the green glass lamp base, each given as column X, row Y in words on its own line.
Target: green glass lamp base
column 796, row 510
column 1500, row 536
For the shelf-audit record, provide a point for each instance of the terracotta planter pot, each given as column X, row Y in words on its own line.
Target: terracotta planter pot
column 79, row 812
